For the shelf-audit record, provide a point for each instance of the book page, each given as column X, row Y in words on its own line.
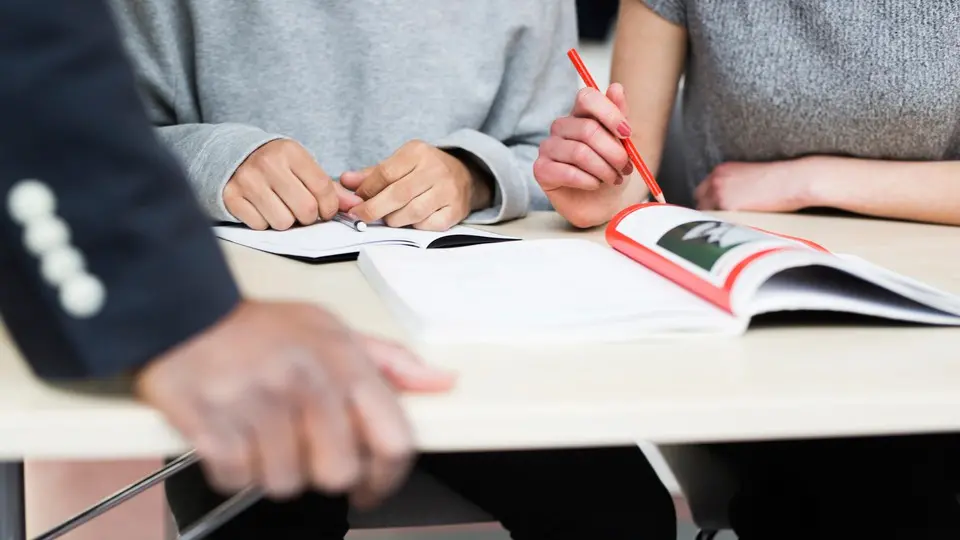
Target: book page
column 701, row 253
column 332, row 238
column 845, row 284
column 532, row 290
column 706, row 246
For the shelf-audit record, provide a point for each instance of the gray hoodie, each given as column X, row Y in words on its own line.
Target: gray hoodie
column 352, row 80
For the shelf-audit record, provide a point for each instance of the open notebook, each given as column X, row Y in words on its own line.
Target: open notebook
column 331, row 241
column 672, row 270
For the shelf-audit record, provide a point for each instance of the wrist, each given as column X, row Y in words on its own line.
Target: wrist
column 481, row 190
column 811, row 181
column 480, row 183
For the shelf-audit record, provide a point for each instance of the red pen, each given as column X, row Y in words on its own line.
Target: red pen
column 628, row 145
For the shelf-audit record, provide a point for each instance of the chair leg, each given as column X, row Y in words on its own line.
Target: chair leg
column 707, row 534
column 12, row 508
column 119, row 497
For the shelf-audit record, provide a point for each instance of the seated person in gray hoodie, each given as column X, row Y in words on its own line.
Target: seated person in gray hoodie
column 431, row 111
column 266, row 101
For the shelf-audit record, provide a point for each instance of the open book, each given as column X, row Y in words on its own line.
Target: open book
column 672, row 270
column 331, row 241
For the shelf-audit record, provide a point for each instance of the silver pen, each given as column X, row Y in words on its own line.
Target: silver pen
column 351, row 222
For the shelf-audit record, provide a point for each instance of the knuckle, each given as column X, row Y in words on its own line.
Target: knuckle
column 388, row 171
column 249, row 181
column 307, row 209
column 404, row 192
column 548, row 146
column 284, row 147
column 282, row 488
column 284, row 222
column 447, row 222
column 585, row 95
column 589, row 129
column 718, row 180
column 261, row 158
column 568, row 176
column 230, row 469
column 335, row 480
column 391, row 221
column 557, row 126
column 420, row 210
column 277, row 382
column 539, row 167
column 581, row 153
column 223, row 393
column 326, row 187
column 396, row 450
column 231, row 189
column 417, row 147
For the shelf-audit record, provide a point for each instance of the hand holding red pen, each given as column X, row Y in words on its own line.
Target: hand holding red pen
column 585, row 163
column 583, row 166
column 584, row 149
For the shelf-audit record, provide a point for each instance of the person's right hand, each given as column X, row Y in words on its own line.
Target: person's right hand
column 284, row 396
column 583, row 167
column 280, row 184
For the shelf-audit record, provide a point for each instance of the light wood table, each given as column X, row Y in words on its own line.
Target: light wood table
column 775, row 382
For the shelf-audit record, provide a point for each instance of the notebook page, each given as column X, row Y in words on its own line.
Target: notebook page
column 526, row 286
column 332, row 238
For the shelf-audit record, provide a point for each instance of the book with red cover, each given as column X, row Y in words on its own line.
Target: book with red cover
column 672, row 270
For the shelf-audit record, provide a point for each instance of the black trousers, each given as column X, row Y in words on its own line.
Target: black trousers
column 880, row 488
column 606, row 494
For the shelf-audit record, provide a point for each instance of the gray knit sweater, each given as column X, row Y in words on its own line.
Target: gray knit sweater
column 777, row 79
column 352, row 80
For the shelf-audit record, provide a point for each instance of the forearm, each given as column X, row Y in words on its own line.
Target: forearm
column 211, row 154
column 142, row 250
column 916, row 191
column 648, row 60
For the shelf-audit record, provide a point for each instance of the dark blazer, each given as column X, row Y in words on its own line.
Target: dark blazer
column 105, row 258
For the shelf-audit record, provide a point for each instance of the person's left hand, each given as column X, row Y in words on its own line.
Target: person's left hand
column 779, row 186
column 419, row 185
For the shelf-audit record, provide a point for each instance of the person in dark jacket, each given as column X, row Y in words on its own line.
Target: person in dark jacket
column 108, row 267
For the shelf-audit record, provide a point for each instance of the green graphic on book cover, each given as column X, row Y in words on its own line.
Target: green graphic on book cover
column 703, row 243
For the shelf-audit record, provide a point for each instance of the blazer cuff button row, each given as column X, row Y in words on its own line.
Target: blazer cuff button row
column 33, row 206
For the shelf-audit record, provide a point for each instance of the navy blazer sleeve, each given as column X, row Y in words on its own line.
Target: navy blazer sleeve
column 105, row 257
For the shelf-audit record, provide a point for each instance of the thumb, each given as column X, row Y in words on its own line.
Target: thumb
column 352, row 179
column 346, row 198
column 404, row 370
column 618, row 96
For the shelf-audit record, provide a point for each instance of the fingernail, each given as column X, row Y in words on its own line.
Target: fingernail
column 628, row 169
column 618, row 181
column 624, row 129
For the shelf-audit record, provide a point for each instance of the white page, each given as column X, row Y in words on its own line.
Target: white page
column 551, row 289
column 332, row 238
column 813, row 281
column 706, row 246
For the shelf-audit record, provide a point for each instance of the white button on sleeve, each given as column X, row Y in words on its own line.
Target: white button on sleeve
column 29, row 200
column 82, row 296
column 61, row 264
column 46, row 234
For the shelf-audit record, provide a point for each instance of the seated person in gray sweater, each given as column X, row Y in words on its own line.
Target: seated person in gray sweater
column 431, row 112
column 787, row 105
column 266, row 101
